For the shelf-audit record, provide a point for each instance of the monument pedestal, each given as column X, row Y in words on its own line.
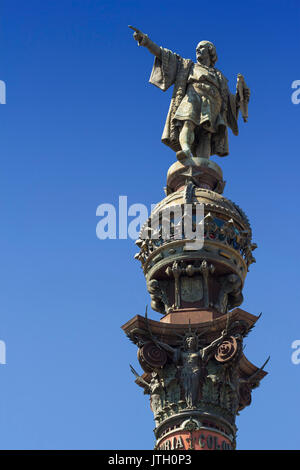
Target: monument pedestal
column 194, row 368
column 203, row 172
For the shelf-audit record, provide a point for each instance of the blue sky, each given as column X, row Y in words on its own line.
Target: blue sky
column 82, row 126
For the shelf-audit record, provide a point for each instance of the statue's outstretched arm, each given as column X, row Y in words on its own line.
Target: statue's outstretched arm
column 205, row 352
column 143, row 40
column 167, row 347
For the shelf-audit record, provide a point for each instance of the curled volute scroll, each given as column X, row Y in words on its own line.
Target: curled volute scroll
column 151, row 357
column 226, row 350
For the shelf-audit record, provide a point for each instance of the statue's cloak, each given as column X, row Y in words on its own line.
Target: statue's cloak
column 171, row 69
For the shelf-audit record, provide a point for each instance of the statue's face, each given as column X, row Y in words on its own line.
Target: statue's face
column 202, row 53
column 190, row 343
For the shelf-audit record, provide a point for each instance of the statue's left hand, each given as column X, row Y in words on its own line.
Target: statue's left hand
column 243, row 92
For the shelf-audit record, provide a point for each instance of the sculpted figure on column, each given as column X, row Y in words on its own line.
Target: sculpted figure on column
column 190, row 359
column 202, row 107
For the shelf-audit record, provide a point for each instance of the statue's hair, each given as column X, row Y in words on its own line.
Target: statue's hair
column 212, row 52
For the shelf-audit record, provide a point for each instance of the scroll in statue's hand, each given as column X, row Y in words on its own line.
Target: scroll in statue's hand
column 243, row 96
column 246, row 94
column 242, row 90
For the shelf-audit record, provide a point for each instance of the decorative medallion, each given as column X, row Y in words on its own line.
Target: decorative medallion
column 226, row 350
column 151, row 357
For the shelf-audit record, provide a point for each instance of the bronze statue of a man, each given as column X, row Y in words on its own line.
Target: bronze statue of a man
column 202, row 106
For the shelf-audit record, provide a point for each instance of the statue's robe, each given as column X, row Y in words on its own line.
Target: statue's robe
column 171, row 69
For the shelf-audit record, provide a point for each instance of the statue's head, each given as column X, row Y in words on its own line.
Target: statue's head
column 154, row 377
column 191, row 342
column 206, row 53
